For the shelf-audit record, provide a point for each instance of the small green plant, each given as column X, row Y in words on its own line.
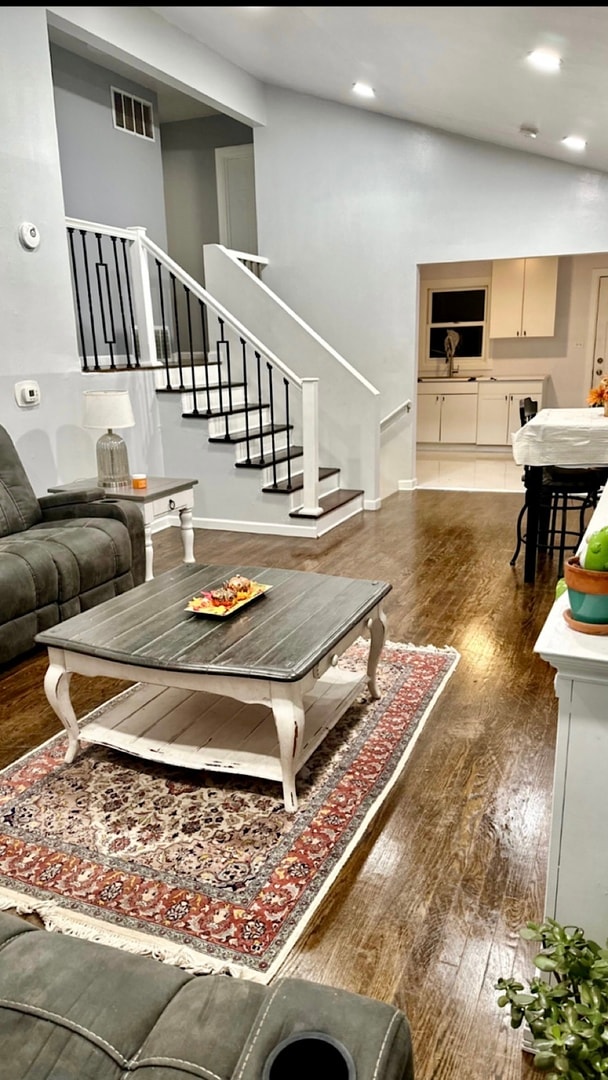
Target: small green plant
column 568, row 1016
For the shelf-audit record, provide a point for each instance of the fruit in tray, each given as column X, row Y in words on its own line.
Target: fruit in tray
column 233, row 591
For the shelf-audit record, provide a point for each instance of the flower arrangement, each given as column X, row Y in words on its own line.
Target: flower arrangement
column 598, row 395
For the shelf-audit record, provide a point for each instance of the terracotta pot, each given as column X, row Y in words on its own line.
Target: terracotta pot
column 587, row 591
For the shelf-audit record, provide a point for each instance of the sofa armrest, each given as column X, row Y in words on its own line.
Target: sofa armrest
column 69, row 498
column 121, row 509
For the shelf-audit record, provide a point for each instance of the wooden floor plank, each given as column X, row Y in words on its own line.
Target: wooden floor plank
column 428, row 908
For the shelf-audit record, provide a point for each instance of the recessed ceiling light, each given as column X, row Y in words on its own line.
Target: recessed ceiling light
column 529, row 131
column 574, row 142
column 545, row 60
column 363, row 89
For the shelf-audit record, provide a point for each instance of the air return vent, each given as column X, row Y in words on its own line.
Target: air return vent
column 132, row 114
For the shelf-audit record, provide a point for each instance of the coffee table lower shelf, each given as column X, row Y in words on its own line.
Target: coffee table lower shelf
column 202, row 730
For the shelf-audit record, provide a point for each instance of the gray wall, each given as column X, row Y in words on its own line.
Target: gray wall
column 109, row 176
column 188, row 151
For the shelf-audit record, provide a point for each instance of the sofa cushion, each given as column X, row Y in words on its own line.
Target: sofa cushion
column 19, row 507
column 76, row 1010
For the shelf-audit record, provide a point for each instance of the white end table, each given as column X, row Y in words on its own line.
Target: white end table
column 163, row 495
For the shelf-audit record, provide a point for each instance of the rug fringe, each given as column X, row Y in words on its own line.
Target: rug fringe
column 55, row 919
column 408, row 646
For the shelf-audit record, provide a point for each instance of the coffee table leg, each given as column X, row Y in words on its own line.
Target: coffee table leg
column 288, row 712
column 57, row 690
column 377, row 633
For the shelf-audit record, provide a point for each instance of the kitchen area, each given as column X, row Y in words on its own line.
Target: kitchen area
column 491, row 333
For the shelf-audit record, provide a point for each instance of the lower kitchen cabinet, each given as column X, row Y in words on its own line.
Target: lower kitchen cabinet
column 447, row 414
column 498, row 409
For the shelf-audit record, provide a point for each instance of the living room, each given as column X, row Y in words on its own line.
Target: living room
column 345, row 233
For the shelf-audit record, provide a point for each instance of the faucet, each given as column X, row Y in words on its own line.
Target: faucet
column 450, row 344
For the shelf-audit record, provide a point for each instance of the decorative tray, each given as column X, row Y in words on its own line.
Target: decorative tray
column 203, row 603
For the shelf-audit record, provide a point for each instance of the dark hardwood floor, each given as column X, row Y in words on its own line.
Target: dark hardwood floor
column 427, row 911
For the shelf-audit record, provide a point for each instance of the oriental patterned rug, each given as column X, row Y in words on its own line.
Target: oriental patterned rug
column 206, row 870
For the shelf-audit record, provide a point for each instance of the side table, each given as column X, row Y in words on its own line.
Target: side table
column 163, row 495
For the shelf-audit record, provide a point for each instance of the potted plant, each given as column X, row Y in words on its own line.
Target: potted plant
column 566, row 1006
column 598, row 395
column 586, row 578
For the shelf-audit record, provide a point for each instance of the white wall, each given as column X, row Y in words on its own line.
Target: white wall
column 350, row 203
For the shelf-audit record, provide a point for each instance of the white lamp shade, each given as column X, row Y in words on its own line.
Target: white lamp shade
column 108, row 409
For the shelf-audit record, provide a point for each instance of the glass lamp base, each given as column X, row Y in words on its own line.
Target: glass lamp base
column 112, row 461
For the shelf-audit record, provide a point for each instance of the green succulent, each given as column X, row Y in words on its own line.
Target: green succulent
column 567, row 1013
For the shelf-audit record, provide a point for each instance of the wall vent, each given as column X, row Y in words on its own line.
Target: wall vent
column 132, row 114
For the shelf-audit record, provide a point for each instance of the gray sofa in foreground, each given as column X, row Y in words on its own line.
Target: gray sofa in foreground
column 76, row 1010
column 59, row 554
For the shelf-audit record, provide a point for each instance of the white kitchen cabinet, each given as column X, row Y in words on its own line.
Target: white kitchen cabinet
column 447, row 412
column 498, row 408
column 523, row 298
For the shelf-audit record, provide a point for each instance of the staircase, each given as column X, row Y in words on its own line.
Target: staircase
column 137, row 310
column 257, row 445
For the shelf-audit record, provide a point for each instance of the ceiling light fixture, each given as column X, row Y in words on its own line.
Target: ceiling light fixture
column 529, row 131
column 545, row 60
column 364, row 90
column 574, row 142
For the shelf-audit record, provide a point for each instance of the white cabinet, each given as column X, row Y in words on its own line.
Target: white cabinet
column 498, row 409
column 523, row 300
column 447, row 413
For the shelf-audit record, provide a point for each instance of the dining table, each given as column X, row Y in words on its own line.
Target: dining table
column 564, row 437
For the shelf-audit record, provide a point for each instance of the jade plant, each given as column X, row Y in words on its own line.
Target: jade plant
column 566, row 1006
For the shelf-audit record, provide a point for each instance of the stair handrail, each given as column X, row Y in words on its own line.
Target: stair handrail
column 404, row 406
column 307, row 387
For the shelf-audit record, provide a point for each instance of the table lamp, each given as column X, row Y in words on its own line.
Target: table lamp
column 110, row 409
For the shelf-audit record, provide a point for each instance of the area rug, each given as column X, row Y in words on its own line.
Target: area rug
column 199, row 869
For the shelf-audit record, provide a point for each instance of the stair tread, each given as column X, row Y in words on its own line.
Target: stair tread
column 259, row 462
column 242, row 436
column 217, row 413
column 297, row 482
column 331, row 502
column 213, row 388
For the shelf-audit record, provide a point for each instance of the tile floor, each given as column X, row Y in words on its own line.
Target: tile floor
column 468, row 472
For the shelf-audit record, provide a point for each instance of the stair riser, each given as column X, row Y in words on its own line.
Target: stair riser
column 259, row 446
column 215, row 400
column 236, row 424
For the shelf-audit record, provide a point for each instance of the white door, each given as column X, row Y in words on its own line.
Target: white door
column 599, row 365
column 235, row 180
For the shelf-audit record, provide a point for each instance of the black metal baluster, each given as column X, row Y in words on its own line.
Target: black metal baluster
column 192, row 370
column 87, row 275
column 177, row 340
column 136, row 348
column 203, row 310
column 259, row 374
column 286, row 385
column 163, row 324
column 272, row 438
column 246, row 402
column 101, row 271
column 76, row 283
column 222, row 341
column 120, row 300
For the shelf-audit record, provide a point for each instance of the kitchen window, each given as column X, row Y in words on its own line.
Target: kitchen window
column 454, row 319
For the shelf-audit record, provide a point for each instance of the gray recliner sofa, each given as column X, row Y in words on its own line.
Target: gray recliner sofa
column 77, row 1010
column 60, row 554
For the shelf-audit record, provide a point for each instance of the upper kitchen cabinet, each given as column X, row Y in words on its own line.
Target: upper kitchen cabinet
column 523, row 298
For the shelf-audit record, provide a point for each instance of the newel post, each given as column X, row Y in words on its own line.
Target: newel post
column 142, row 296
column 310, row 445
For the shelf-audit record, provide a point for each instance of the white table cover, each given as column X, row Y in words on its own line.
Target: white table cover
column 563, row 437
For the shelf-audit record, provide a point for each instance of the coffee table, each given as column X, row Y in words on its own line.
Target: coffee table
column 254, row 692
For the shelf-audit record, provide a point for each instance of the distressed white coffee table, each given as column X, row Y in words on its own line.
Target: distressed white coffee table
column 253, row 693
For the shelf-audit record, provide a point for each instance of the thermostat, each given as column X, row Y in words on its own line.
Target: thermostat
column 27, row 393
column 29, row 236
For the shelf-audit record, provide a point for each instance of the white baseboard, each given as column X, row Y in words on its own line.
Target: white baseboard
column 407, row 485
